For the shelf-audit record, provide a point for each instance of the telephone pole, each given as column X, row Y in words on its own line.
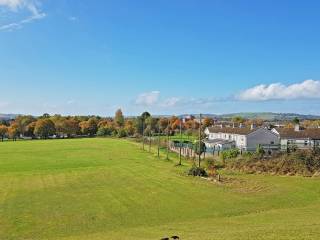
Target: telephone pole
column 200, row 139
column 180, row 142
column 142, row 133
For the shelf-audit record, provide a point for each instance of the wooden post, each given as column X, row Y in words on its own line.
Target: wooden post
column 214, row 148
column 180, row 145
column 159, row 144
column 142, row 134
column 168, row 140
column 200, row 141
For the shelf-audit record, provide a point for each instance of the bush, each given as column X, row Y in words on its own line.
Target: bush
column 197, row 171
column 104, row 131
column 121, row 133
column 229, row 154
column 301, row 162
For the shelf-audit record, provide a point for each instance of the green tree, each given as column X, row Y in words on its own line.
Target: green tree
column 238, row 119
column 296, row 120
column 145, row 115
column 199, row 149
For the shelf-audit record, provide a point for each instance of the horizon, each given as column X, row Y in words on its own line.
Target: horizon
column 196, row 115
column 91, row 58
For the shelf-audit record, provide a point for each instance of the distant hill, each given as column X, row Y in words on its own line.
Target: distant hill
column 7, row 116
column 261, row 115
column 271, row 116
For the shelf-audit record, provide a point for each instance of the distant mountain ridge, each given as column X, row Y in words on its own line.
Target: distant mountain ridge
column 270, row 116
column 7, row 116
column 261, row 115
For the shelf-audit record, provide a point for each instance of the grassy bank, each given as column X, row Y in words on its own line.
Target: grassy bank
column 111, row 189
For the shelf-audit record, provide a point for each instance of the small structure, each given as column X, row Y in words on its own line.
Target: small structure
column 218, row 144
column 299, row 137
column 243, row 138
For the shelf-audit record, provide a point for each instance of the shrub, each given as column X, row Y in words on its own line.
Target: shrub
column 301, row 162
column 197, row 171
column 229, row 154
column 121, row 133
column 104, row 131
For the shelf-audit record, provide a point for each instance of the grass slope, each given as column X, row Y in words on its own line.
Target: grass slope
column 111, row 189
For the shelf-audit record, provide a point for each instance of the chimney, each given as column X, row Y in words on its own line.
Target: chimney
column 297, row 127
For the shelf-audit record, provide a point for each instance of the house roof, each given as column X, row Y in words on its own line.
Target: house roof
column 313, row 133
column 218, row 141
column 230, row 130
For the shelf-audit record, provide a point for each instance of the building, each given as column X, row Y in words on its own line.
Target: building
column 244, row 138
column 298, row 137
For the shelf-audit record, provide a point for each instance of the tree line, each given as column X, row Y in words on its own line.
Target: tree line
column 58, row 126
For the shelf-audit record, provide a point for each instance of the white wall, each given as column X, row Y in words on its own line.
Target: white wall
column 240, row 140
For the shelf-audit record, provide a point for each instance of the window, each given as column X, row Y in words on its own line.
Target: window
column 272, row 142
column 305, row 143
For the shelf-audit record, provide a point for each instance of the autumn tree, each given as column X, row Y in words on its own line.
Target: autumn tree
column 175, row 124
column 44, row 128
column 3, row 131
column 29, row 130
column 119, row 118
column 207, row 122
column 70, row 127
column 13, row 131
column 163, row 124
column 129, row 127
column 22, row 122
column 89, row 127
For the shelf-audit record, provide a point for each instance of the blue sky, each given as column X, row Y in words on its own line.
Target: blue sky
column 167, row 57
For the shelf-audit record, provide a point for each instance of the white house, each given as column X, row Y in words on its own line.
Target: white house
column 244, row 138
column 301, row 138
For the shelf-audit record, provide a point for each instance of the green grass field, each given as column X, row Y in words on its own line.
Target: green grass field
column 110, row 189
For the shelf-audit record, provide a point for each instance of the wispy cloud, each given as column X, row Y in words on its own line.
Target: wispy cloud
column 32, row 6
column 148, row 99
column 153, row 100
column 308, row 89
column 73, row 19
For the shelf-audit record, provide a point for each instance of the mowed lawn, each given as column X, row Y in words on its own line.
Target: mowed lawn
column 110, row 189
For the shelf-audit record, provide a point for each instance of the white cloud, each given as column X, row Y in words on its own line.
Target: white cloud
column 308, row 89
column 73, row 19
column 32, row 6
column 71, row 101
column 153, row 99
column 171, row 102
column 148, row 99
column 4, row 104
